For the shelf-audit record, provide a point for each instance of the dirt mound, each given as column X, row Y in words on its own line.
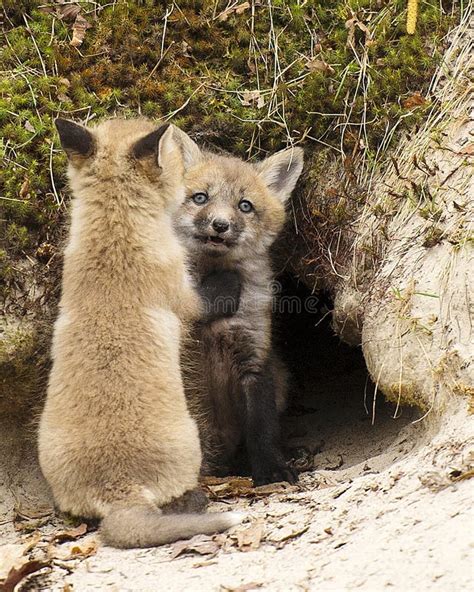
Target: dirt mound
column 384, row 501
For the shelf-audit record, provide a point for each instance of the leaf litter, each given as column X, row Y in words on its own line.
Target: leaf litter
column 200, row 544
column 249, row 538
column 72, row 534
column 231, row 487
column 40, row 550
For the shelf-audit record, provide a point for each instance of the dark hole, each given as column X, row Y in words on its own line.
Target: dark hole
column 335, row 417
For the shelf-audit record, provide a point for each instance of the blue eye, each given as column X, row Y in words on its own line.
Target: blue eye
column 200, row 198
column 245, row 206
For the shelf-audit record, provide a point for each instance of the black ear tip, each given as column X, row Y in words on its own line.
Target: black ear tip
column 60, row 123
column 160, row 132
column 148, row 145
column 75, row 139
column 65, row 125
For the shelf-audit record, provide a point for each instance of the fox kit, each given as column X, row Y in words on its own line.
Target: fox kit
column 116, row 440
column 231, row 216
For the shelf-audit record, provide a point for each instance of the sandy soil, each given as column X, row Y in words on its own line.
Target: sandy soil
column 386, row 506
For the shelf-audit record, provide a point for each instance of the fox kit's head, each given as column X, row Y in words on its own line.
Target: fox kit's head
column 134, row 157
column 233, row 208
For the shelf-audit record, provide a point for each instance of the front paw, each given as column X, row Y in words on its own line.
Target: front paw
column 273, row 471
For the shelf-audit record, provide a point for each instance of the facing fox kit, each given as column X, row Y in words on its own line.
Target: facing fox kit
column 231, row 216
column 116, row 440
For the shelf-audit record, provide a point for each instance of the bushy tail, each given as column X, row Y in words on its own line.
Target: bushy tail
column 146, row 526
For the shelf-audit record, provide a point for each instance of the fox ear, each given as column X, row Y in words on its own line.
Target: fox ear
column 76, row 139
column 157, row 143
column 281, row 171
column 191, row 152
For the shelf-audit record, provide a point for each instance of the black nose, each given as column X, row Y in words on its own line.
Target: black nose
column 220, row 225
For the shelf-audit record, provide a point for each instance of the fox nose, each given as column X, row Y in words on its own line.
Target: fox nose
column 220, row 225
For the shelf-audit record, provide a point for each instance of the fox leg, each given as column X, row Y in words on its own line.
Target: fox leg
column 262, row 429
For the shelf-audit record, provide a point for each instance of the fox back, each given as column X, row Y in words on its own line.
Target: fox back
column 116, row 440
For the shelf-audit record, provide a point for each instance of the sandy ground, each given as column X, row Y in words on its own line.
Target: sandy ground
column 386, row 506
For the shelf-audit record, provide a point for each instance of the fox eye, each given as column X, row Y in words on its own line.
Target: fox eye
column 200, row 198
column 245, row 206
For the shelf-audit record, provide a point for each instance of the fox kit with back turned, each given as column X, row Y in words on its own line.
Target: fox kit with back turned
column 116, row 440
column 231, row 216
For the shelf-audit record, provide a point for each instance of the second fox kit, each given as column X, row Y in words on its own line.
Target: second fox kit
column 231, row 216
column 116, row 440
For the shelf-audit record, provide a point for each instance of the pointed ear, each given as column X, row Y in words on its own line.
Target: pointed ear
column 152, row 144
column 281, row 171
column 76, row 140
column 191, row 152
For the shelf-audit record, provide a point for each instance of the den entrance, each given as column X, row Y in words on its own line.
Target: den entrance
column 335, row 419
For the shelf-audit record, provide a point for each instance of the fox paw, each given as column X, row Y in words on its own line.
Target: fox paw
column 193, row 501
column 273, row 472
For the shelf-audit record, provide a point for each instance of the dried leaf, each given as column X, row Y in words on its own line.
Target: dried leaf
column 351, row 25
column 79, row 30
column 240, row 481
column 185, row 47
column 28, row 126
column 25, row 187
column 26, row 526
column 252, row 97
column 68, row 12
column 250, row 538
column 316, row 65
column 220, row 488
column 26, row 512
column 72, row 534
column 17, row 574
column 87, row 549
column 228, row 487
column 469, row 149
column 237, row 9
column 201, row 544
column 204, row 563
column 414, row 100
column 287, row 533
column 32, row 541
column 264, row 490
column 460, row 476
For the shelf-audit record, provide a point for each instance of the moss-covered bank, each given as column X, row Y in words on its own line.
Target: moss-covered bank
column 254, row 78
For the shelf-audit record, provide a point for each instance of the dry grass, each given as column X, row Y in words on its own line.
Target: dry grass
column 339, row 216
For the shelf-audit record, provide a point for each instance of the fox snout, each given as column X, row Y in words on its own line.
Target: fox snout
column 217, row 232
column 220, row 225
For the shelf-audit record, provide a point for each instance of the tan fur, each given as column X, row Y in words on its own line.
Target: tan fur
column 227, row 181
column 116, row 440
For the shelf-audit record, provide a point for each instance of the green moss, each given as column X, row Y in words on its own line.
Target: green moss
column 199, row 67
